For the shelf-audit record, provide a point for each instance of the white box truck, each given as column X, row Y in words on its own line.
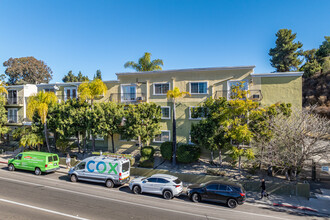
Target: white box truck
column 102, row 169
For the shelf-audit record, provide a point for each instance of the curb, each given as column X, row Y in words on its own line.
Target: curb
column 286, row 205
column 3, row 162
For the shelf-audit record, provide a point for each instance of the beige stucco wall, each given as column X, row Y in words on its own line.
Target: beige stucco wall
column 281, row 89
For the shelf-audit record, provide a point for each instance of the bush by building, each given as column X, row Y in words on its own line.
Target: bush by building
column 188, row 153
column 166, row 150
column 147, row 157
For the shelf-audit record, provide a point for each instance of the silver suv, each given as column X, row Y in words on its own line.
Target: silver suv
column 162, row 184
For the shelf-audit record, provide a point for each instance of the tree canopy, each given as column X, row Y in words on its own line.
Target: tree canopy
column 70, row 77
column 91, row 90
column 27, row 70
column 285, row 55
column 145, row 64
column 98, row 75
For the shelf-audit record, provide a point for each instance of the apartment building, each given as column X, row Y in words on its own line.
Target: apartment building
column 201, row 83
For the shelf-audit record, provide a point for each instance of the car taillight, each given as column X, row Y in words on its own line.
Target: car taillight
column 242, row 194
column 177, row 186
column 120, row 176
column 46, row 165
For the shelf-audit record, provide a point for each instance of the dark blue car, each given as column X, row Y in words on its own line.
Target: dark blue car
column 232, row 194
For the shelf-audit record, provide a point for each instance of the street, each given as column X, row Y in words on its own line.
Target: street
column 26, row 196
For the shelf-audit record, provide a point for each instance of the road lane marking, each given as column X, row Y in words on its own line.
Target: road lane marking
column 42, row 209
column 143, row 205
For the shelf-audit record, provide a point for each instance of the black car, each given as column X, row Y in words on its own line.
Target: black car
column 229, row 193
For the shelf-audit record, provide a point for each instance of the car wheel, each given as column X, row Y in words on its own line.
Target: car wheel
column 37, row 171
column 195, row 197
column 136, row 189
column 11, row 167
column 232, row 203
column 167, row 194
column 73, row 178
column 109, row 184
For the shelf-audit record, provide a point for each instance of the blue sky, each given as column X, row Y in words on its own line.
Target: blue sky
column 89, row 35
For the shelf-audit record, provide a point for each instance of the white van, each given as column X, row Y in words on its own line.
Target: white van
column 101, row 169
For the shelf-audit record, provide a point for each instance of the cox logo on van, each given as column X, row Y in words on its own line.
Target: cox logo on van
column 101, row 167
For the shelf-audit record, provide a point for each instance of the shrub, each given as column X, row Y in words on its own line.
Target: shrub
column 188, row 153
column 147, row 151
column 147, row 162
column 166, row 150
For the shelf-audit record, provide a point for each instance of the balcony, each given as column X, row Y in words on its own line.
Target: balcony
column 128, row 98
column 15, row 101
column 254, row 95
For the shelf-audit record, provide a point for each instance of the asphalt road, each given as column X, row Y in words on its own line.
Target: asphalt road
column 26, row 196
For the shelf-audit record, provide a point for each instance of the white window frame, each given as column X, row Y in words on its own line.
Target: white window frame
column 207, row 87
column 169, row 136
column 190, row 118
column 160, row 83
column 169, row 112
column 16, row 115
column 122, row 93
column 229, row 87
column 70, row 88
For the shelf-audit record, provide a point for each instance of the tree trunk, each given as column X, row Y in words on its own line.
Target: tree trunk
column 46, row 136
column 113, row 144
column 174, row 136
column 78, row 139
column 239, row 164
column 220, row 157
column 55, row 139
column 84, row 141
column 93, row 143
column 212, row 157
column 262, row 157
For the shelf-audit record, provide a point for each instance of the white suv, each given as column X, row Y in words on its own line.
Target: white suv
column 161, row 184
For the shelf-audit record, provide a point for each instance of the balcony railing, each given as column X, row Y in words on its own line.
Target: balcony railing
column 254, row 95
column 127, row 97
column 15, row 119
column 15, row 100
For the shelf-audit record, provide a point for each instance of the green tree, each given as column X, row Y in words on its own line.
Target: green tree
column 3, row 112
column 324, row 50
column 286, row 52
column 70, row 77
column 142, row 121
column 40, row 104
column 145, row 64
column 27, row 70
column 98, row 75
column 207, row 133
column 311, row 65
column 113, row 115
column 174, row 95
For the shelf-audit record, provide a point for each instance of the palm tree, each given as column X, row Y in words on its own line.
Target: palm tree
column 145, row 64
column 175, row 94
column 40, row 104
column 90, row 91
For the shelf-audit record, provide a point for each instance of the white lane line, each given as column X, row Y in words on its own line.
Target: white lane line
column 42, row 209
column 143, row 205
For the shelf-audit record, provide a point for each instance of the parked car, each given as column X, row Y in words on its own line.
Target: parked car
column 161, row 184
column 109, row 170
column 229, row 193
column 34, row 161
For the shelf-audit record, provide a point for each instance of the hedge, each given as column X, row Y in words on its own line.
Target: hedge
column 147, row 151
column 147, row 162
column 166, row 150
column 188, row 153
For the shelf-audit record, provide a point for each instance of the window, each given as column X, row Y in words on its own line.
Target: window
column 198, row 87
column 152, row 180
column 160, row 180
column 49, row 90
column 177, row 181
column 164, row 136
column 55, row 158
column 12, row 115
column 81, row 166
column 166, row 112
column 50, row 159
column 70, row 93
column 212, row 187
column 19, row 157
column 161, row 88
column 12, row 97
column 125, row 167
column 128, row 93
column 223, row 188
column 197, row 112
column 232, row 83
column 133, row 140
